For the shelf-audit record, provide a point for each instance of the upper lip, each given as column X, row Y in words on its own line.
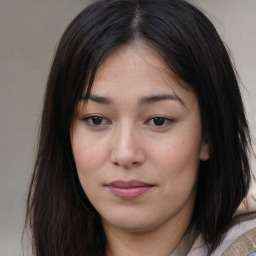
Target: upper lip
column 128, row 184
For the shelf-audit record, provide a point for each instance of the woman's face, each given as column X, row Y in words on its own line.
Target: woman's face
column 137, row 143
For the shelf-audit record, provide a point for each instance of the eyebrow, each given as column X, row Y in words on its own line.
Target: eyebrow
column 100, row 99
column 143, row 101
column 161, row 97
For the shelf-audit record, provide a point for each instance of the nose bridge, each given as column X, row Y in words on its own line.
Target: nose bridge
column 126, row 149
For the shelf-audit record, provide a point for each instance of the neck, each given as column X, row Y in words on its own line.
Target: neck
column 161, row 242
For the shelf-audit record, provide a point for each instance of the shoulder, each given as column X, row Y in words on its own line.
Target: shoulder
column 239, row 241
column 245, row 245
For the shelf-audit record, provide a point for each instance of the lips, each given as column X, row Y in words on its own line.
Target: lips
column 128, row 189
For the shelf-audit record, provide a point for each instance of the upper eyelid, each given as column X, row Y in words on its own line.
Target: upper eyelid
column 161, row 116
column 166, row 118
column 92, row 115
column 151, row 117
column 88, row 117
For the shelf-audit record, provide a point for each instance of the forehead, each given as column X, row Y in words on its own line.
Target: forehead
column 137, row 66
column 135, row 54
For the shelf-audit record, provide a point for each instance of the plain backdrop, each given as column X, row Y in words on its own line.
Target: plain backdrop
column 29, row 32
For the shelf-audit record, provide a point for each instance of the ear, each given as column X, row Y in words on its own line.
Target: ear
column 205, row 151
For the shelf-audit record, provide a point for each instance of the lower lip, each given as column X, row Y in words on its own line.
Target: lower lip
column 128, row 193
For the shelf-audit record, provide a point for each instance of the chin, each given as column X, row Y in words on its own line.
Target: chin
column 133, row 226
column 135, row 222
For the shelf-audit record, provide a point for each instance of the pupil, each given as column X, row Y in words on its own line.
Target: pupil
column 97, row 120
column 159, row 121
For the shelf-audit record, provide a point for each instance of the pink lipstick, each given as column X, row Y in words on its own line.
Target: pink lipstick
column 128, row 189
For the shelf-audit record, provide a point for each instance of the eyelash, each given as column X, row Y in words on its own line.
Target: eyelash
column 90, row 120
column 164, row 121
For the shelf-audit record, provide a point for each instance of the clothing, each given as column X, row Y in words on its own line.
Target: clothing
column 239, row 241
column 243, row 245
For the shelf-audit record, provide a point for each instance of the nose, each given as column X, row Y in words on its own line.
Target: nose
column 126, row 150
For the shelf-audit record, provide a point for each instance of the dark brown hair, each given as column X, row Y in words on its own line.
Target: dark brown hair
column 61, row 219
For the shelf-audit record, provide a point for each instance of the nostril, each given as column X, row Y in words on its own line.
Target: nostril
column 126, row 165
column 126, row 151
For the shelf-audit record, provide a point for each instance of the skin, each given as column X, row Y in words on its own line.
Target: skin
column 126, row 142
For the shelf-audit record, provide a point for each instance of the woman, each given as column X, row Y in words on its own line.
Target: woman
column 144, row 143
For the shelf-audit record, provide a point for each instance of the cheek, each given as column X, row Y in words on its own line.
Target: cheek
column 82, row 154
column 177, row 151
column 87, row 164
column 86, row 150
column 87, row 159
column 179, row 165
column 177, row 160
column 86, row 155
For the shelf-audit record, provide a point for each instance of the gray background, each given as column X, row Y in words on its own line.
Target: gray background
column 29, row 32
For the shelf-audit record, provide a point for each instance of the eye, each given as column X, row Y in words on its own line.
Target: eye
column 159, row 121
column 95, row 120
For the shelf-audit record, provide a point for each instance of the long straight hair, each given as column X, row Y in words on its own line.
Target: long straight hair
column 60, row 217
